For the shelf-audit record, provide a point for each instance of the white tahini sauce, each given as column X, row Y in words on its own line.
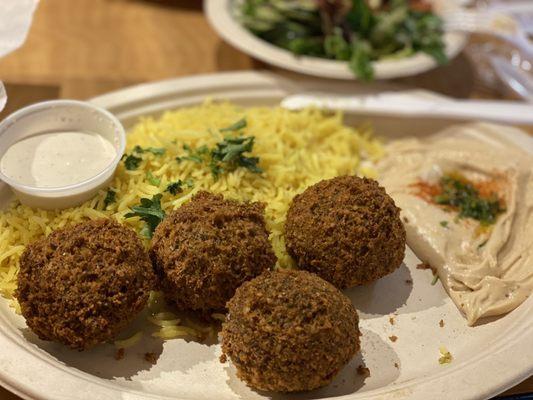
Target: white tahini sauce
column 57, row 159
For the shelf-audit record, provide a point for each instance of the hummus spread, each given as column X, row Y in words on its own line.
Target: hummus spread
column 487, row 269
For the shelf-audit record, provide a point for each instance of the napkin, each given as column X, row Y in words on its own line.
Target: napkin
column 15, row 21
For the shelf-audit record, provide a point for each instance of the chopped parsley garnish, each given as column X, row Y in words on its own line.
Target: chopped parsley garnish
column 229, row 154
column 174, row 188
column 435, row 279
column 235, row 126
column 152, row 179
column 177, row 187
column 444, row 224
column 132, row 162
column 482, row 244
column 460, row 194
column 194, row 155
column 156, row 151
column 110, row 198
column 149, row 211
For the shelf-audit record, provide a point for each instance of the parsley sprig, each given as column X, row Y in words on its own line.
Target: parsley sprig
column 240, row 124
column 133, row 161
column 149, row 211
column 152, row 179
column 177, row 187
column 110, row 198
column 228, row 154
column 156, row 151
column 194, row 155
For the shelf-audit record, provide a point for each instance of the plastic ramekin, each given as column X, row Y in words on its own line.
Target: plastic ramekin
column 57, row 116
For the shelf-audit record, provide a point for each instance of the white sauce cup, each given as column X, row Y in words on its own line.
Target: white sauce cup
column 59, row 116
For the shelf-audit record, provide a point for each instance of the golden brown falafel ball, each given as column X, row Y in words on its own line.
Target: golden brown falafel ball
column 347, row 230
column 207, row 248
column 82, row 284
column 289, row 331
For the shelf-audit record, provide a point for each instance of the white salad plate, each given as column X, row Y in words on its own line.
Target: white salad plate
column 222, row 16
column 487, row 359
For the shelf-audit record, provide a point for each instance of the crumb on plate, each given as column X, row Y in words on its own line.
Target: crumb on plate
column 119, row 354
column 150, row 357
column 445, row 356
column 363, row 371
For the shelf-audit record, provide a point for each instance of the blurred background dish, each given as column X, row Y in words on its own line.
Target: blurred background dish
column 420, row 52
column 503, row 66
column 517, row 76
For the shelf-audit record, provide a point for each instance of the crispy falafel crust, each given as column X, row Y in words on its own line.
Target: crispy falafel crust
column 347, row 230
column 289, row 331
column 204, row 250
column 82, row 284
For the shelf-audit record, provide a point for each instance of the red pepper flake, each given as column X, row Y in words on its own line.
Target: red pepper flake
column 393, row 338
column 441, row 323
column 426, row 191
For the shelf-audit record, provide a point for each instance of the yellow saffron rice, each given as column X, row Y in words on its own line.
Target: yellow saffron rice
column 296, row 150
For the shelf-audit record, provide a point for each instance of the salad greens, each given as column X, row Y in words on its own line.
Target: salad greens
column 356, row 31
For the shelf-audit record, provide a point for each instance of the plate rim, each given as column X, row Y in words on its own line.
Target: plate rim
column 513, row 355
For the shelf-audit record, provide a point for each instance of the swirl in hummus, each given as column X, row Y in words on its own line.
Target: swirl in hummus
column 484, row 258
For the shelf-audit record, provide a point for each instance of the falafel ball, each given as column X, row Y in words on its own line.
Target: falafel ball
column 347, row 230
column 203, row 251
column 82, row 284
column 289, row 331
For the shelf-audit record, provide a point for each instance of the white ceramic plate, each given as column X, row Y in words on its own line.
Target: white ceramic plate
column 488, row 358
column 220, row 14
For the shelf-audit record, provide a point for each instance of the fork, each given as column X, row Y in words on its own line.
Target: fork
column 495, row 23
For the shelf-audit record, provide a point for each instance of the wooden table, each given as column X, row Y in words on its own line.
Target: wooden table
column 82, row 48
